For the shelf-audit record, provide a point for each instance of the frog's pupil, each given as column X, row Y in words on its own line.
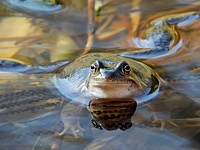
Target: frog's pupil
column 92, row 67
column 127, row 68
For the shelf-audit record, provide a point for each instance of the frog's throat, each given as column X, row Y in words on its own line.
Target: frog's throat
column 113, row 88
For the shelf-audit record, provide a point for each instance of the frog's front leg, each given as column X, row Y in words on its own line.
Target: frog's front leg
column 70, row 115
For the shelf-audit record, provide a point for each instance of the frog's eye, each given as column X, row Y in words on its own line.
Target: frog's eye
column 126, row 69
column 94, row 67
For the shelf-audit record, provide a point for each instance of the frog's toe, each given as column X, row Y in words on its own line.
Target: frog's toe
column 162, row 124
column 75, row 130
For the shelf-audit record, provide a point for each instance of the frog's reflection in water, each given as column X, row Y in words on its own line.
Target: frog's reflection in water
column 106, row 113
column 112, row 114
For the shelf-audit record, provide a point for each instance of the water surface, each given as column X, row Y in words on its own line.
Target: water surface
column 30, row 105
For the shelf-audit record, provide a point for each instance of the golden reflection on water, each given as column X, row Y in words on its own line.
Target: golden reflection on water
column 170, row 121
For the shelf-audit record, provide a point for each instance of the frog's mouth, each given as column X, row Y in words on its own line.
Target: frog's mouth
column 110, row 88
column 111, row 81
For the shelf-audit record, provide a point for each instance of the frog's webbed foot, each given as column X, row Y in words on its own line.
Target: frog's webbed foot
column 159, row 123
column 72, row 127
column 70, row 117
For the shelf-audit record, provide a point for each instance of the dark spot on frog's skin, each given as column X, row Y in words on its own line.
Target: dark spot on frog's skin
column 121, row 111
column 111, row 126
column 115, row 111
column 118, row 116
column 106, row 117
column 98, row 112
column 123, row 115
column 112, row 116
column 126, row 126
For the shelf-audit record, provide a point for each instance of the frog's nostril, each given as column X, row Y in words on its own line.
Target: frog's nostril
column 107, row 74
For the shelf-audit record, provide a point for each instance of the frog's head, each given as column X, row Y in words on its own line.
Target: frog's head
column 106, row 75
column 116, row 81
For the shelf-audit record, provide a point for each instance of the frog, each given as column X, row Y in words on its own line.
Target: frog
column 101, row 75
column 162, row 36
column 97, row 74
column 104, row 76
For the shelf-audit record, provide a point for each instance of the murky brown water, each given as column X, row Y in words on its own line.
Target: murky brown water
column 30, row 106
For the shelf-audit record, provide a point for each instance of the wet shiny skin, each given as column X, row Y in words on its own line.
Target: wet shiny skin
column 105, row 75
column 117, row 82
